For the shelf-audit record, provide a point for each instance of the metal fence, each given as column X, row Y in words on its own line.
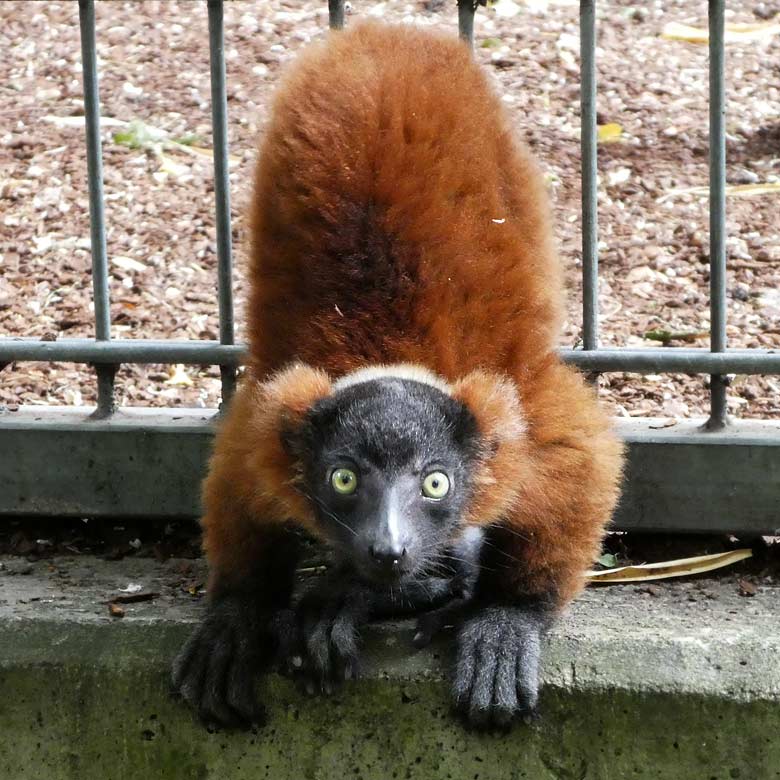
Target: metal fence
column 719, row 476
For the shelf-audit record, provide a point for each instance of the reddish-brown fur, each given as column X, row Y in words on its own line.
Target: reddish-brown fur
column 397, row 219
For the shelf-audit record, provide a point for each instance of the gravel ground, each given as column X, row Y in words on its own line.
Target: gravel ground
column 25, row 543
column 33, row 539
column 159, row 201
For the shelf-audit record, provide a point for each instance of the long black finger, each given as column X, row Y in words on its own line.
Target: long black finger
column 213, row 707
column 191, row 687
column 465, row 666
column 504, row 703
column 239, row 686
column 527, row 673
column 481, row 694
column 184, row 659
column 344, row 646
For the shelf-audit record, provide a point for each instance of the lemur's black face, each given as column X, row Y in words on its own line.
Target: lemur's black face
column 387, row 464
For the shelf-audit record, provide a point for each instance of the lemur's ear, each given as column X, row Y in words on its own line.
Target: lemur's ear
column 279, row 409
column 494, row 402
column 294, row 390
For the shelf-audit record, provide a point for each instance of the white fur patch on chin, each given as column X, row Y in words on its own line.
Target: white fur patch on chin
column 412, row 371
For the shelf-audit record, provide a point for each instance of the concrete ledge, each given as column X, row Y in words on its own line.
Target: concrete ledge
column 678, row 477
column 682, row 684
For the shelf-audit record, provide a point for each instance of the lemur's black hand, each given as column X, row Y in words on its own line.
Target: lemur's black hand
column 329, row 618
column 216, row 669
column 496, row 676
column 332, row 611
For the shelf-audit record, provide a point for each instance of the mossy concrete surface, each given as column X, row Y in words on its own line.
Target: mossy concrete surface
column 682, row 684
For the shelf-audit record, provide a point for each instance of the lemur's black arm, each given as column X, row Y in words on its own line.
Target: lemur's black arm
column 247, row 621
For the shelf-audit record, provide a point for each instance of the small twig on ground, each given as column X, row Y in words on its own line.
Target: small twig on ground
column 133, row 598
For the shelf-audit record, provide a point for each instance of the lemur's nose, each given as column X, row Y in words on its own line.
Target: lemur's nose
column 388, row 555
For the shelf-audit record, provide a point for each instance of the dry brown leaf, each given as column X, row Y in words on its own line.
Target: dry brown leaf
column 505, row 8
column 618, row 176
column 115, row 610
column 747, row 588
column 666, row 569
column 78, row 121
column 9, row 188
column 128, row 263
column 669, row 423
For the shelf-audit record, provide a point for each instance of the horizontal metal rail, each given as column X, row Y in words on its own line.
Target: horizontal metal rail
column 122, row 351
column 677, row 360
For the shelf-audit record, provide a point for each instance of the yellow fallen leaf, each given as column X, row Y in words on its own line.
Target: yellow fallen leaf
column 734, row 33
column 178, row 376
column 199, row 151
column 169, row 166
column 733, row 190
column 748, row 190
column 665, row 569
column 609, row 132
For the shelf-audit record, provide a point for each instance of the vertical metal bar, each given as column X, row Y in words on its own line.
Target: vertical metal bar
column 336, row 14
column 718, row 418
column 466, row 12
column 221, row 188
column 589, row 146
column 97, row 223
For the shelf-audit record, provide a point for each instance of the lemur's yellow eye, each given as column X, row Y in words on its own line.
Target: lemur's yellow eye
column 344, row 481
column 436, row 485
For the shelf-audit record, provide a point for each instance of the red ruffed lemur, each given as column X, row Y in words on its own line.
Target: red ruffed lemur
column 404, row 400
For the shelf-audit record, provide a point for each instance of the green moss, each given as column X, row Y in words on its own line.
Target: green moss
column 100, row 709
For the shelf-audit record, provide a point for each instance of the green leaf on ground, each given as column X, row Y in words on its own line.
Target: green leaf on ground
column 667, row 336
column 139, row 135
